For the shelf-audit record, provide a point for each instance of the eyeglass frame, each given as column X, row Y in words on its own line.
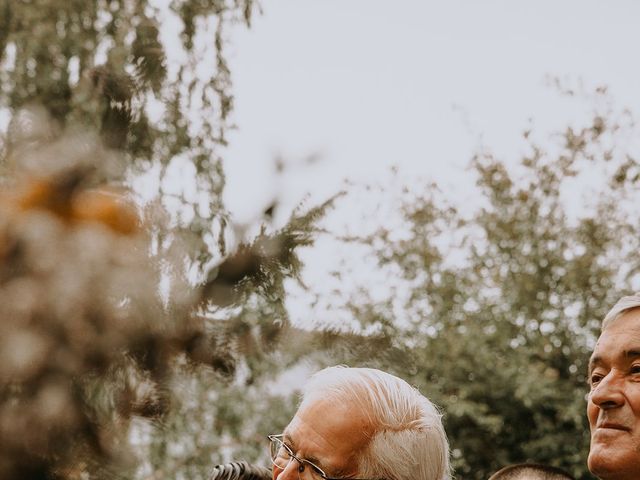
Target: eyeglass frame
column 302, row 461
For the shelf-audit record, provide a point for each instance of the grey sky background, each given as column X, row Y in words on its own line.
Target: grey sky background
column 346, row 89
column 366, row 84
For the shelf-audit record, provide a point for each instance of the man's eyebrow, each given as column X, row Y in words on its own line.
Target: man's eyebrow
column 289, row 441
column 594, row 361
column 339, row 473
column 632, row 353
column 628, row 354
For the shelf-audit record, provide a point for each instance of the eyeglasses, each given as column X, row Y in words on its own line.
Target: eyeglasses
column 282, row 455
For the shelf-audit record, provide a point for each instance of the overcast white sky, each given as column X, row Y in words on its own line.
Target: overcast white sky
column 367, row 84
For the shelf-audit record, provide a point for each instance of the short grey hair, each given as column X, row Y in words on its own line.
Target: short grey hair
column 623, row 305
column 531, row 471
column 409, row 441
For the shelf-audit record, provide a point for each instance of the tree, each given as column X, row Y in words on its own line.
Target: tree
column 496, row 308
column 104, row 66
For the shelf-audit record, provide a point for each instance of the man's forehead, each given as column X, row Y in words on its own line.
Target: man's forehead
column 328, row 434
column 620, row 339
column 627, row 319
column 627, row 324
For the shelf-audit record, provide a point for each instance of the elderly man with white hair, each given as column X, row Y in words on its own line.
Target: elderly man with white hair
column 613, row 407
column 361, row 423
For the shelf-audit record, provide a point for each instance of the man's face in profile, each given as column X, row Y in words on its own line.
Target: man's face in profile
column 613, row 407
column 329, row 434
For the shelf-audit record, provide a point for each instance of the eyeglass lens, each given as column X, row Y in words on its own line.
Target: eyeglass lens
column 281, row 456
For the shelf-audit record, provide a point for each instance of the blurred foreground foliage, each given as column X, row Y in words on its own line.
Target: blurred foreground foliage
column 97, row 359
column 134, row 336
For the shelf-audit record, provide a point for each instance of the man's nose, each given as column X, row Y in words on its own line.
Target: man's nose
column 608, row 393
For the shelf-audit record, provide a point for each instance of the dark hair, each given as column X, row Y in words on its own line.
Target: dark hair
column 240, row 471
column 531, row 471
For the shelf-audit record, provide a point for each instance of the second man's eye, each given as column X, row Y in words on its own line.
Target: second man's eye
column 595, row 378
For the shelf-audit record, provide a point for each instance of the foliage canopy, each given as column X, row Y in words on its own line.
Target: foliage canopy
column 498, row 306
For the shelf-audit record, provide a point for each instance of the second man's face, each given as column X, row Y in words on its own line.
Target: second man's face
column 330, row 434
column 613, row 407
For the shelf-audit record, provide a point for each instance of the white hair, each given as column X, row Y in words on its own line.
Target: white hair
column 623, row 305
column 409, row 441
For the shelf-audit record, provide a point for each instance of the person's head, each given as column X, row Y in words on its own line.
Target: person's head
column 531, row 471
column 613, row 406
column 364, row 423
